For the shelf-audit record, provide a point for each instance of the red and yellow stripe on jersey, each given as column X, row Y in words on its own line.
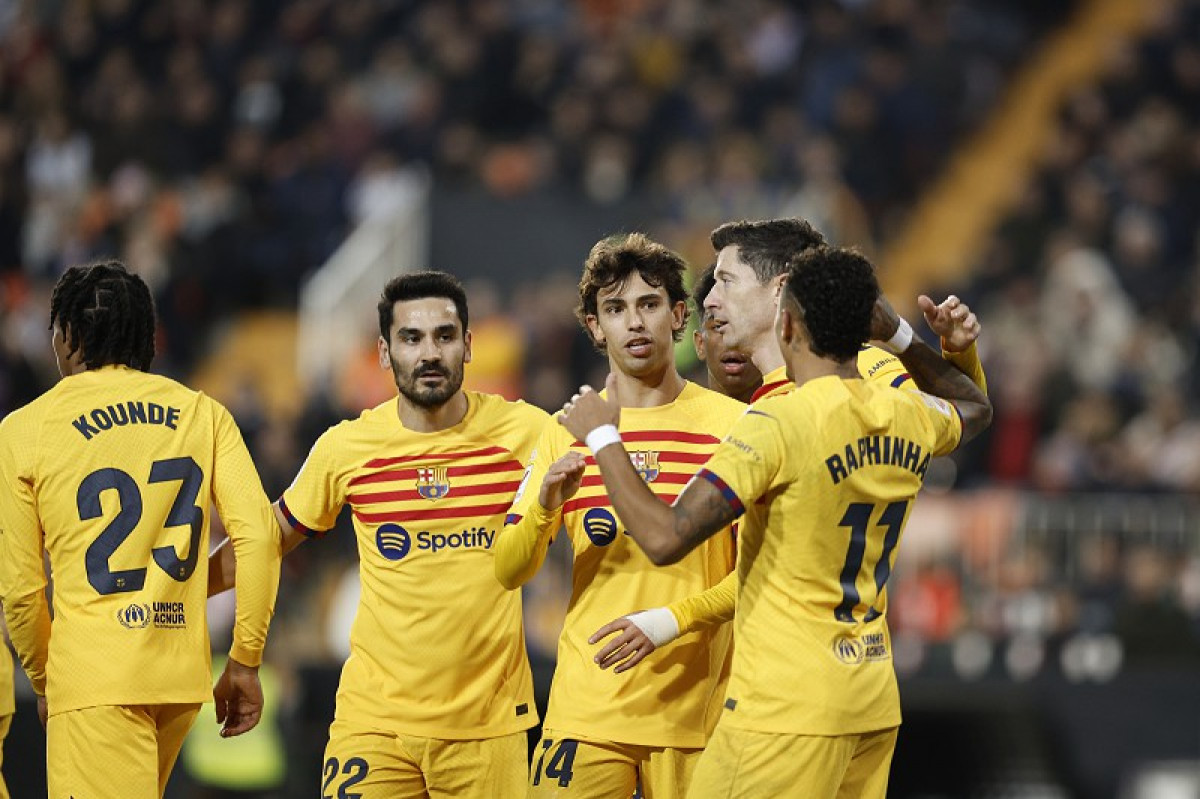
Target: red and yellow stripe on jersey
column 437, row 648
column 674, row 697
column 839, row 463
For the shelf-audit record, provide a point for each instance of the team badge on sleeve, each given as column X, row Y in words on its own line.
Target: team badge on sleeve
column 432, row 482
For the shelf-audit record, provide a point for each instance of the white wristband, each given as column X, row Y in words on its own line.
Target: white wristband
column 658, row 624
column 601, row 437
column 901, row 339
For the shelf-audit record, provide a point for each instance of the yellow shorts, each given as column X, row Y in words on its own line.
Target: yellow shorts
column 565, row 767
column 372, row 764
column 741, row 763
column 5, row 723
column 115, row 751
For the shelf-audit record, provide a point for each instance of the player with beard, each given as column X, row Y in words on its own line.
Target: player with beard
column 605, row 733
column 437, row 692
column 730, row 371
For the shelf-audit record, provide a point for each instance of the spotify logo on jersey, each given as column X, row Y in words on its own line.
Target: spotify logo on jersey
column 600, row 526
column 393, row 541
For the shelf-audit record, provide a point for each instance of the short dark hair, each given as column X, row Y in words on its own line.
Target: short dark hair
column 836, row 290
column 768, row 246
column 105, row 313
column 704, row 286
column 614, row 258
column 418, row 286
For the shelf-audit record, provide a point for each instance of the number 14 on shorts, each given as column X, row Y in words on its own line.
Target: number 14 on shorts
column 560, row 764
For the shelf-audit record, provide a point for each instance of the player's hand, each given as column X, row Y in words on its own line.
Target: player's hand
column 562, row 480
column 586, row 411
column 952, row 320
column 629, row 648
column 884, row 320
column 239, row 698
column 43, row 711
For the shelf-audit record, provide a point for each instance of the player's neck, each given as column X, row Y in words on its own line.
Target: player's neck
column 649, row 391
column 766, row 355
column 430, row 420
column 807, row 366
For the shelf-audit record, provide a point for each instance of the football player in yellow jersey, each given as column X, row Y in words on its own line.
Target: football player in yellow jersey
column 744, row 292
column 437, row 693
column 825, row 475
column 604, row 732
column 112, row 472
column 730, row 371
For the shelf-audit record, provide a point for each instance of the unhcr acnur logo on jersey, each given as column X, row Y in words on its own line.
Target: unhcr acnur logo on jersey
column 134, row 616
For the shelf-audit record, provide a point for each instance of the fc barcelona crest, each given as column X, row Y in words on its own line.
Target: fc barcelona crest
column 646, row 463
column 432, row 482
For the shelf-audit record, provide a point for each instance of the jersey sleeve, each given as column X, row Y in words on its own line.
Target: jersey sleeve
column 880, row 366
column 250, row 523
column 22, row 569
column 750, row 459
column 709, row 608
column 943, row 419
column 529, row 528
column 312, row 502
column 969, row 364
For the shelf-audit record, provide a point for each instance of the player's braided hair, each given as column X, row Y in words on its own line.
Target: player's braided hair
column 615, row 258
column 418, row 286
column 768, row 245
column 836, row 290
column 704, row 286
column 105, row 312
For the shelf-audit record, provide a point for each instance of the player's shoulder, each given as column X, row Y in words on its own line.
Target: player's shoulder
column 698, row 399
column 874, row 362
column 493, row 407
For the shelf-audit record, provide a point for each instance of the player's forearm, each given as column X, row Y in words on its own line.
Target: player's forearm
column 650, row 521
column 258, row 555
column 936, row 375
column 28, row 620
column 709, row 608
column 969, row 364
column 222, row 569
column 521, row 548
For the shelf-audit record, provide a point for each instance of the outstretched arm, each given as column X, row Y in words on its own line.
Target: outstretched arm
column 935, row 375
column 639, row 634
column 664, row 532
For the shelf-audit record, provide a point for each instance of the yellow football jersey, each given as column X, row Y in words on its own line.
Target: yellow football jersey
column 437, row 648
column 826, row 475
column 673, row 698
column 113, row 472
column 874, row 364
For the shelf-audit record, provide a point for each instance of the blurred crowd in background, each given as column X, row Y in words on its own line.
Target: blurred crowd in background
column 224, row 149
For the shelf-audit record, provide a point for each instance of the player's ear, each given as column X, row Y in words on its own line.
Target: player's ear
column 678, row 315
column 777, row 285
column 698, row 342
column 385, row 358
column 467, row 347
column 593, row 326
